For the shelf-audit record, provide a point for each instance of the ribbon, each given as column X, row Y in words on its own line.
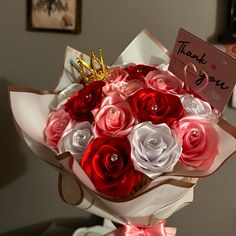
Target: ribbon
column 157, row 229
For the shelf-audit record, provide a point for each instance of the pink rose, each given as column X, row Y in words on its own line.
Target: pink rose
column 124, row 89
column 55, row 126
column 114, row 118
column 131, row 87
column 199, row 142
column 113, row 88
column 116, row 74
column 163, row 80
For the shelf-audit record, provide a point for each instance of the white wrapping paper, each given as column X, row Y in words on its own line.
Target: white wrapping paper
column 161, row 198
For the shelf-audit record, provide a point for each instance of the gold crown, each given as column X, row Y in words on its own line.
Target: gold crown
column 95, row 71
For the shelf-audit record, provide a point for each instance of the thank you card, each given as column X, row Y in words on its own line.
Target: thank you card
column 205, row 69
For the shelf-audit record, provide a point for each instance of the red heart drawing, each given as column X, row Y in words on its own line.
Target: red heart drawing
column 213, row 66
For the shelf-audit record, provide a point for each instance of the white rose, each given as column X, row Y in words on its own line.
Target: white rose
column 66, row 93
column 75, row 139
column 61, row 98
column 195, row 106
column 154, row 148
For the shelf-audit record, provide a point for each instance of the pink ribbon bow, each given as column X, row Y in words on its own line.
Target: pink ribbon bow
column 158, row 229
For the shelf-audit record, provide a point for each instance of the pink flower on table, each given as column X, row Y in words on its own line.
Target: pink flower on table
column 199, row 142
column 113, row 118
column 163, row 80
column 55, row 126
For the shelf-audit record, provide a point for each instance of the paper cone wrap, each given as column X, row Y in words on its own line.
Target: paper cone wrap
column 161, row 197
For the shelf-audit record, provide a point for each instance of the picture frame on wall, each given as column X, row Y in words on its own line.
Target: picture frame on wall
column 63, row 16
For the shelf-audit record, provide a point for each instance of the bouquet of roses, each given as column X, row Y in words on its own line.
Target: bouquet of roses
column 129, row 140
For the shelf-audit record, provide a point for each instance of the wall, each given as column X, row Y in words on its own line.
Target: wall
column 28, row 189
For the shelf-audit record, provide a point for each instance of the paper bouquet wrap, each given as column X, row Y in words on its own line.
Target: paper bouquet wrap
column 129, row 140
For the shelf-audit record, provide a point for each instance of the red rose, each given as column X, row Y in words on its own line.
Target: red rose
column 156, row 106
column 79, row 106
column 138, row 72
column 108, row 163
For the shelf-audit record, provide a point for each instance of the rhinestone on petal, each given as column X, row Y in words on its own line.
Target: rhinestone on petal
column 153, row 141
column 154, row 107
column 123, row 87
column 195, row 133
column 88, row 96
column 192, row 104
column 114, row 157
column 112, row 110
column 62, row 124
column 81, row 134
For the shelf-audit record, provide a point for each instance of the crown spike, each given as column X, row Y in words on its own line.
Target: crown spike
column 93, row 72
column 92, row 56
column 100, row 54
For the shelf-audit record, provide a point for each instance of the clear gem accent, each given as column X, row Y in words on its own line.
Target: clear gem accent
column 123, row 87
column 114, row 157
column 112, row 110
column 192, row 104
column 155, row 107
column 195, row 133
column 62, row 123
column 88, row 96
column 81, row 134
column 153, row 141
